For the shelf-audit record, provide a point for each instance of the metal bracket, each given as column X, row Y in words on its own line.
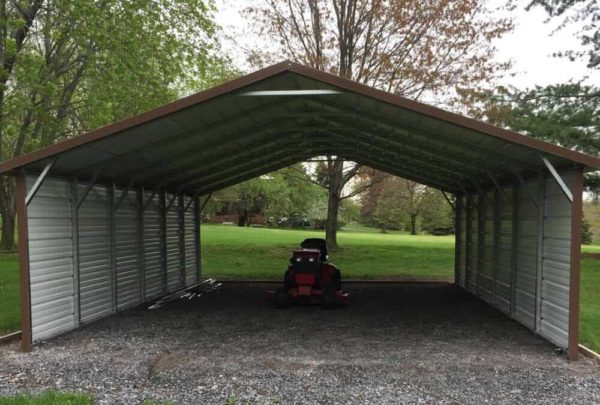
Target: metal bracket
column 524, row 186
column 497, row 185
column 558, row 179
column 149, row 200
column 170, row 204
column 481, row 192
column 38, row 182
column 467, row 195
column 88, row 189
column 449, row 201
column 123, row 195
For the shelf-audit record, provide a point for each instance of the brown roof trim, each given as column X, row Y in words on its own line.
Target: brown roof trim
column 447, row 116
column 315, row 74
column 119, row 126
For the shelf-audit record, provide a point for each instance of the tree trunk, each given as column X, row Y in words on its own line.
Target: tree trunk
column 331, row 225
column 413, row 224
column 8, row 230
column 7, row 213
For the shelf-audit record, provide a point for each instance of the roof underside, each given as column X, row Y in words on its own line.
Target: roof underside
column 229, row 136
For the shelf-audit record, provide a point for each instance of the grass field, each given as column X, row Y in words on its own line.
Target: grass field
column 47, row 398
column 234, row 252
column 9, row 293
column 257, row 253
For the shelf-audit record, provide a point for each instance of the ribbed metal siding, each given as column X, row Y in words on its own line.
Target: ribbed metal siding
column 174, row 279
column 487, row 250
column 503, row 279
column 556, row 263
column 127, row 249
column 191, row 269
column 51, row 259
column 152, row 255
column 526, row 271
column 95, row 273
column 472, row 244
column 461, row 239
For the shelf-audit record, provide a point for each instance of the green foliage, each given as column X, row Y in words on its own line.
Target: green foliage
column 284, row 193
column 89, row 63
column 564, row 114
column 47, row 398
column 586, row 233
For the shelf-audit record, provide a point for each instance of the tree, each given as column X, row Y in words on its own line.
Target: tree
column 403, row 203
column 584, row 12
column 71, row 66
column 411, row 48
column 564, row 114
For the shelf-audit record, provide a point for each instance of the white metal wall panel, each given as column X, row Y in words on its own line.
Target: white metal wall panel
column 51, row 259
column 487, row 248
column 556, row 263
column 502, row 291
column 95, row 267
column 472, row 244
column 153, row 278
column 127, row 251
column 527, row 252
column 174, row 280
column 191, row 268
column 461, row 240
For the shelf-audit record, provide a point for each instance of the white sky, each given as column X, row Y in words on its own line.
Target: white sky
column 529, row 46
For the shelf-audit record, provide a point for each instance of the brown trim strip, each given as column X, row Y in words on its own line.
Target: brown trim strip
column 10, row 337
column 576, row 214
column 314, row 74
column 589, row 353
column 20, row 196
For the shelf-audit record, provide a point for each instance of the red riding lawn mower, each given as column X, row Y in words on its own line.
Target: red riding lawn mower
column 310, row 279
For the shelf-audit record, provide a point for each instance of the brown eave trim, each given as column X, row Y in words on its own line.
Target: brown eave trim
column 342, row 83
column 447, row 116
column 128, row 123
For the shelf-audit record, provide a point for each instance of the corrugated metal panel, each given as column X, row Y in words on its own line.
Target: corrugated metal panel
column 153, row 278
column 526, row 271
column 556, row 263
column 127, row 249
column 191, row 270
column 461, row 238
column 502, row 296
column 51, row 259
column 487, row 249
column 95, row 273
column 174, row 280
column 472, row 244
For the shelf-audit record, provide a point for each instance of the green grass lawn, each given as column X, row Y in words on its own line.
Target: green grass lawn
column 259, row 253
column 9, row 294
column 47, row 398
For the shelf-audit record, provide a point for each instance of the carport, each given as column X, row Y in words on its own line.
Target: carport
column 110, row 219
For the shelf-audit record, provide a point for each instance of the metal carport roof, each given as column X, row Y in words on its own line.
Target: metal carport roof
column 287, row 113
column 116, row 223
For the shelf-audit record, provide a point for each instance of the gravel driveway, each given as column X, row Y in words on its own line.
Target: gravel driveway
column 404, row 343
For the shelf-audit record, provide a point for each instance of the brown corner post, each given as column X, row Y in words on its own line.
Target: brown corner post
column 20, row 194
column 576, row 214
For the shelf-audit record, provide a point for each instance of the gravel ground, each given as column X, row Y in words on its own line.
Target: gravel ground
column 404, row 343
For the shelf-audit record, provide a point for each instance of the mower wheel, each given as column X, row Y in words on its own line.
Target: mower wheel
column 328, row 298
column 281, row 299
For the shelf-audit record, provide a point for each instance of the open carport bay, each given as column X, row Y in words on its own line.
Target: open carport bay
column 405, row 342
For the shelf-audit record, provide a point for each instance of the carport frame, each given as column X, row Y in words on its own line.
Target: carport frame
column 474, row 192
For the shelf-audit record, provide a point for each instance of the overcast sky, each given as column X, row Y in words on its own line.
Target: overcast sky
column 529, row 46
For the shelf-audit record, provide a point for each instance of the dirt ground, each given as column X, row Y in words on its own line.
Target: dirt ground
column 401, row 343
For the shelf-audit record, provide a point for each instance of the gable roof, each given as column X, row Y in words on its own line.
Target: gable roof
column 287, row 113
